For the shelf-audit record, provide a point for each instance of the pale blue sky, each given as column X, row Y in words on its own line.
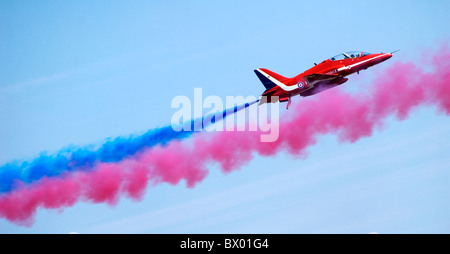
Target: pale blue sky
column 77, row 72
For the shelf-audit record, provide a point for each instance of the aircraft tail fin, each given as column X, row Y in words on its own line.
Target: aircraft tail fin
column 269, row 78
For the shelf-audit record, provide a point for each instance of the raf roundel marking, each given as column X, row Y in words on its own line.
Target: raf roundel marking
column 300, row 84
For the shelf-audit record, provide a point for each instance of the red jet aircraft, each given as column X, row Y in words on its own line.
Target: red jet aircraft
column 323, row 76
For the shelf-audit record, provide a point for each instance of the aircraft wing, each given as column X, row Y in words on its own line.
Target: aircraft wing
column 314, row 78
column 322, row 82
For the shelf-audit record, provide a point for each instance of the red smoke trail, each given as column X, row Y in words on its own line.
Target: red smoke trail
column 399, row 89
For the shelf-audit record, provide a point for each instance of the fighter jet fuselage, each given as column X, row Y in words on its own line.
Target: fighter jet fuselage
column 329, row 73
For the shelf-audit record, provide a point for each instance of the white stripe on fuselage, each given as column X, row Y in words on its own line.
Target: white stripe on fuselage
column 356, row 64
column 278, row 83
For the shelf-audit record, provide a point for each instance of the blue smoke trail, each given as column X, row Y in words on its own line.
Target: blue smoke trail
column 85, row 158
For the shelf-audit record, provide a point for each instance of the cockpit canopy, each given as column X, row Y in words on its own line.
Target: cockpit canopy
column 349, row 54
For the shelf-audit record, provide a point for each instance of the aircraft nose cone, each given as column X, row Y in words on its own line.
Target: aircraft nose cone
column 385, row 57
